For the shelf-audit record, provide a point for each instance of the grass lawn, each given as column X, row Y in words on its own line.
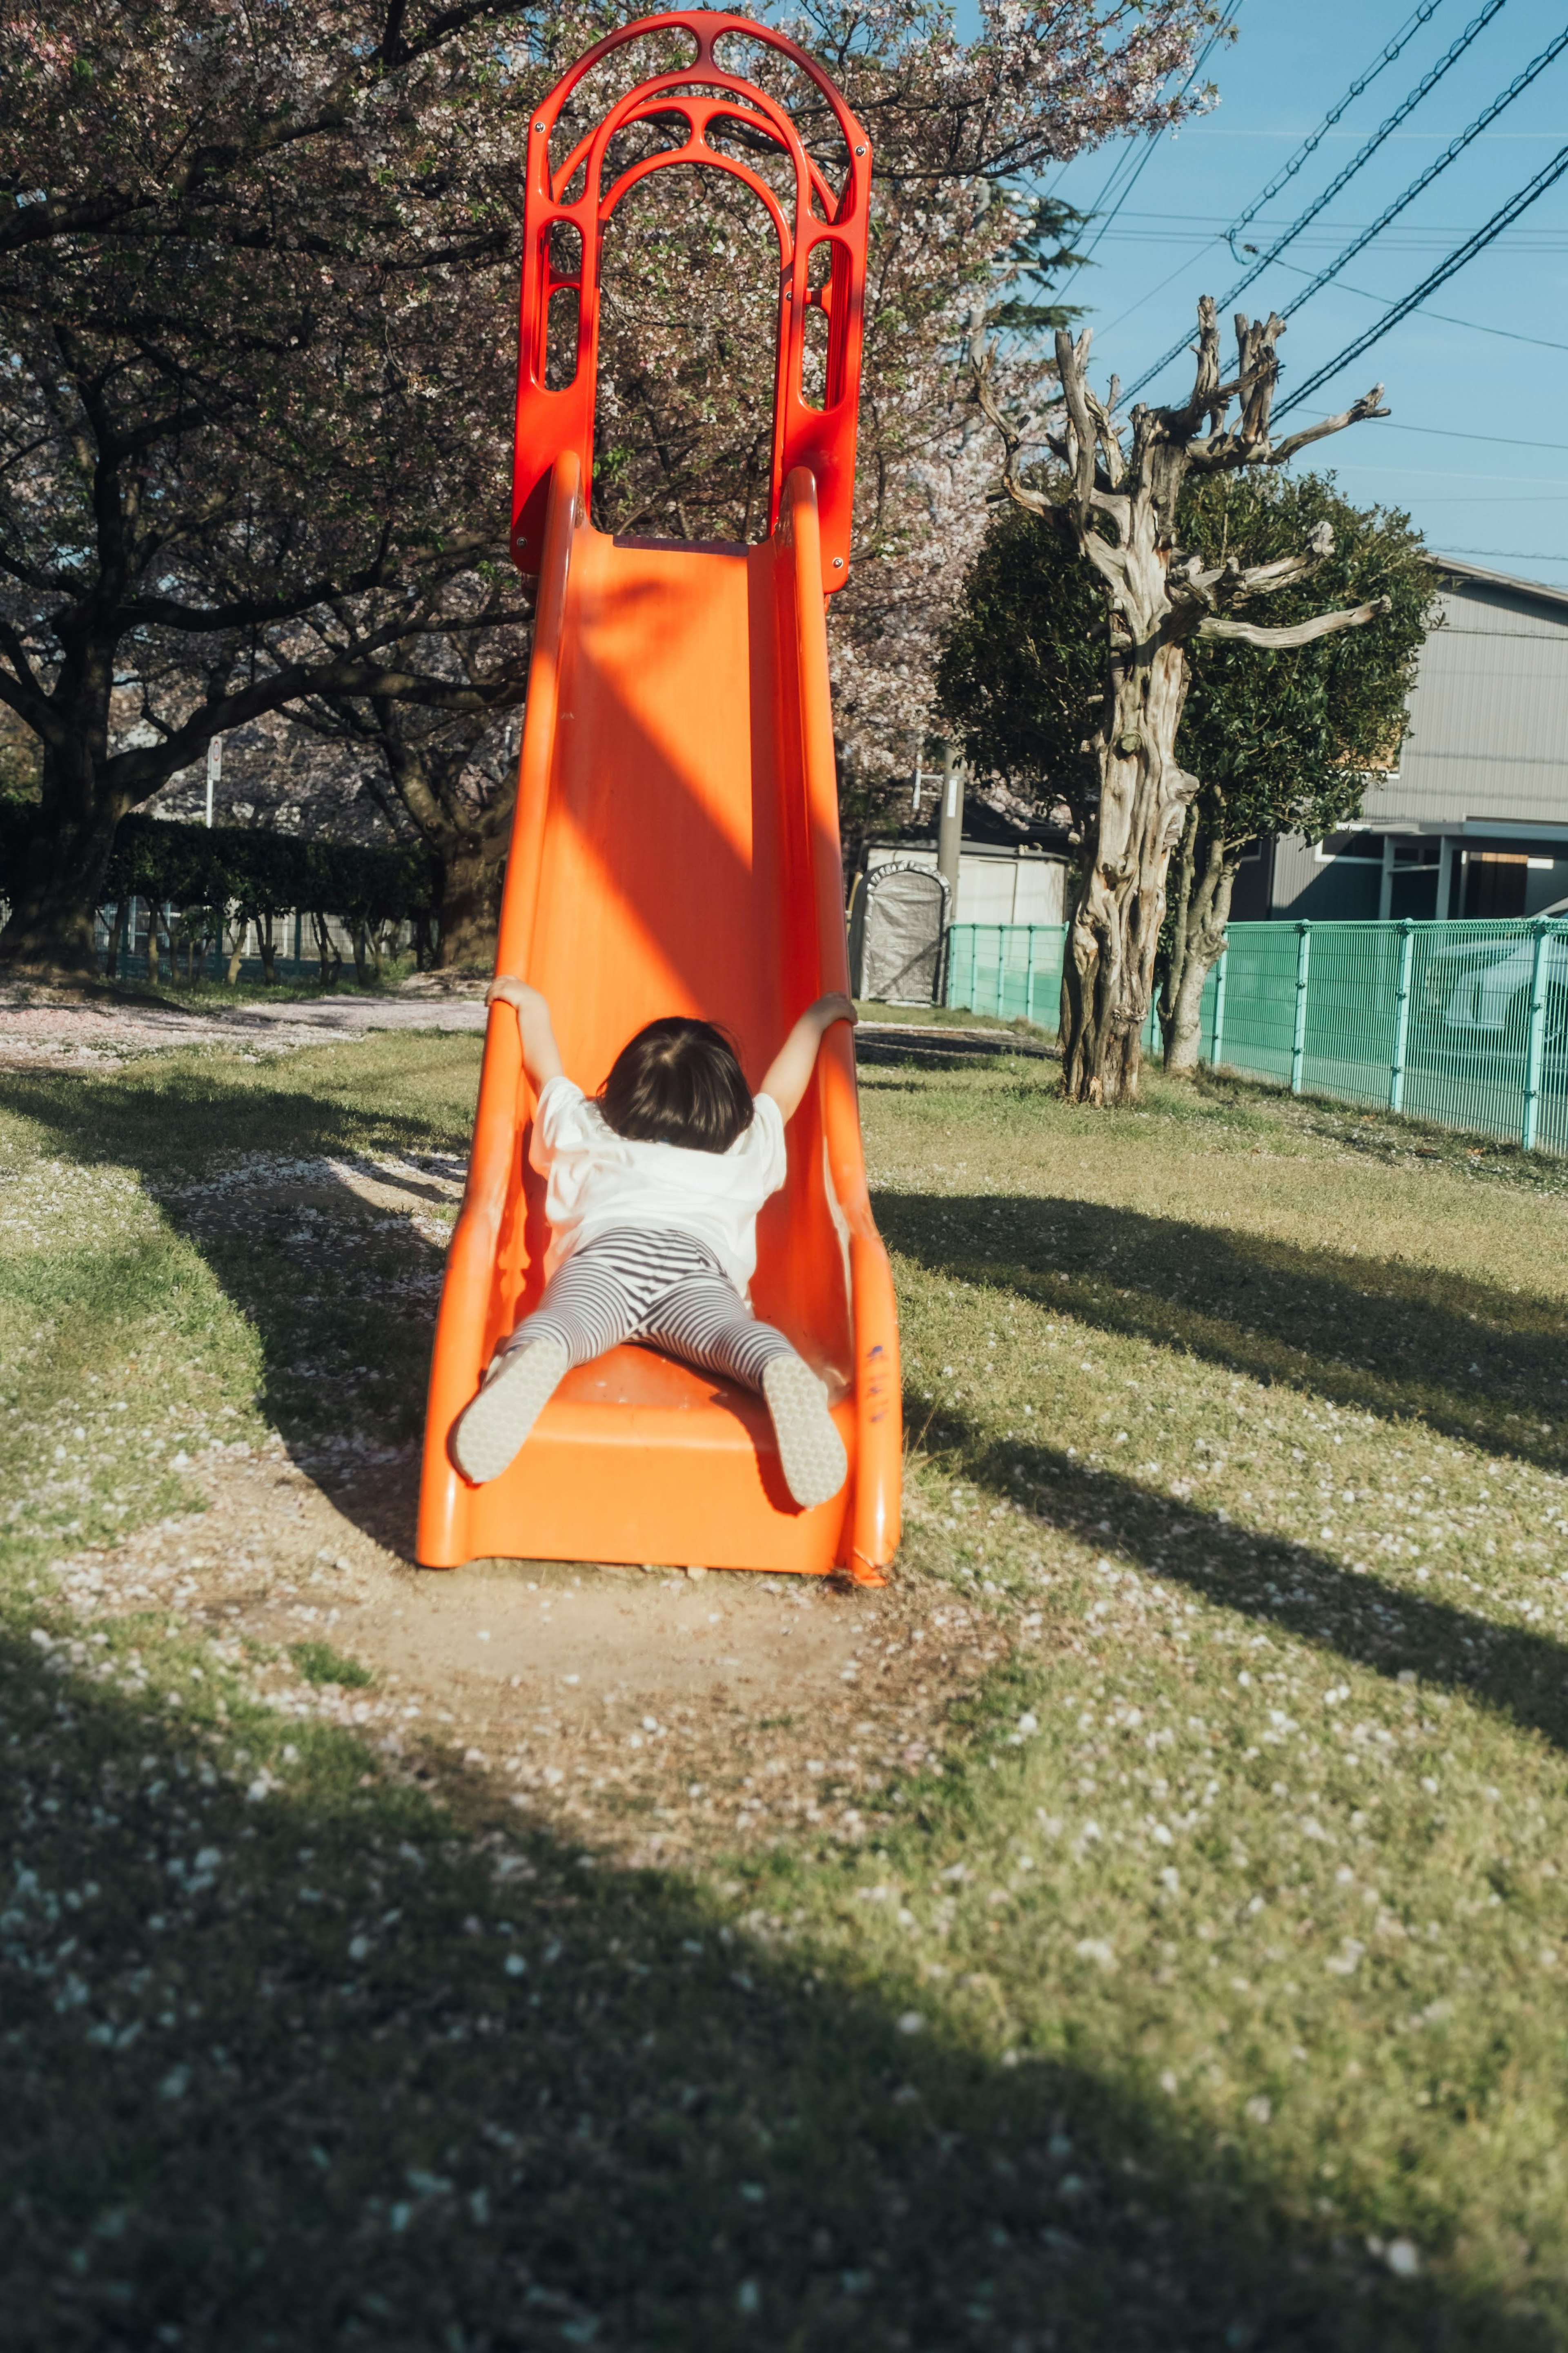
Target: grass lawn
column 1208, row 1992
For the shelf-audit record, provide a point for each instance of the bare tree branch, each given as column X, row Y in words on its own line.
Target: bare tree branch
column 1367, row 405
column 1157, row 602
column 1300, row 633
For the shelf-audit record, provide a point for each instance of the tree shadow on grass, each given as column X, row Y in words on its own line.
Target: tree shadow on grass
column 1517, row 1673
column 323, row 2067
column 164, row 1118
column 931, row 1051
column 1470, row 1359
column 344, row 1306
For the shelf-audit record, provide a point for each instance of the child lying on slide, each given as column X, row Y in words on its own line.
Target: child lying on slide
column 652, row 1196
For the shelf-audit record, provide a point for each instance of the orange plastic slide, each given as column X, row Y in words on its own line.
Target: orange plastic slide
column 676, row 851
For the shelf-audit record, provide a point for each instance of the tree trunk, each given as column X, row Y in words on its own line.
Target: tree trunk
column 54, row 907
column 116, row 934
column 1121, row 514
column 1207, row 913
column 1176, row 962
column 330, row 962
column 362, row 974
column 1108, row 977
column 268, row 944
column 471, row 876
column 240, row 929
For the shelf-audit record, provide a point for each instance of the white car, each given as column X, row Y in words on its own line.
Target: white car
column 1483, row 985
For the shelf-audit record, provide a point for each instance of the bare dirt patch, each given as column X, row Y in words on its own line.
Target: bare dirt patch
column 653, row 1714
column 63, row 1028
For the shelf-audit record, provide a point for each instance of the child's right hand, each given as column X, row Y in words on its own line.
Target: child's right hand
column 541, row 1054
column 505, row 990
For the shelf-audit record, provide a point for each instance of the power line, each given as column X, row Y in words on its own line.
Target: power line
column 1455, row 149
column 1545, row 178
column 1474, row 326
column 1385, row 56
column 1405, row 33
column 1451, row 433
column 1218, row 33
column 1422, row 89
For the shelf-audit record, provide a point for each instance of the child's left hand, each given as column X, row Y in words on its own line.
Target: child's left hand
column 829, row 1010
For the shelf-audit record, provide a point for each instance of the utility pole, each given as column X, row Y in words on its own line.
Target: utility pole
column 215, row 770
column 950, row 827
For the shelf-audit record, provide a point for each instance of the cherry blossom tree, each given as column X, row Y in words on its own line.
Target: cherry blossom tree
column 249, row 279
column 255, row 279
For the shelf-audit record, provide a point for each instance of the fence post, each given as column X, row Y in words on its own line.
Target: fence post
column 1299, row 1040
column 1000, row 960
column 1029, row 980
column 1535, row 1049
column 1401, row 1016
column 1219, row 1006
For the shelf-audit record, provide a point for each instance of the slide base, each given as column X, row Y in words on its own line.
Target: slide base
column 637, row 1460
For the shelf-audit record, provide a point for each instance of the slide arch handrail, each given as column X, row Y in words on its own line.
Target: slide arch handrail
column 551, row 420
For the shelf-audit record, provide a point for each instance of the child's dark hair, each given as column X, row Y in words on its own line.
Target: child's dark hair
column 678, row 1082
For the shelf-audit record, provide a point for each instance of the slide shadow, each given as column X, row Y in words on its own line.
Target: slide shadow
column 328, row 2069
column 1470, row 1359
column 1519, row 1672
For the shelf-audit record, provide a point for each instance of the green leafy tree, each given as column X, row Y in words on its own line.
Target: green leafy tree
column 1022, row 673
column 1114, row 491
column 1284, row 740
column 1272, row 738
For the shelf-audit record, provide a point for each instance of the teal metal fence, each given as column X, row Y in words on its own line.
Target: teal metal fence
column 1464, row 1024
column 1011, row 969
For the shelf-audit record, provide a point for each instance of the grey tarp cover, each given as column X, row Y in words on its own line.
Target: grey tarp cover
column 903, row 935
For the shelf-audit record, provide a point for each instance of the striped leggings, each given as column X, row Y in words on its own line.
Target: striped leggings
column 664, row 1288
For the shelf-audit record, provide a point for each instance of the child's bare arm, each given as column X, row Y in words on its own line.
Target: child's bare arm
column 789, row 1073
column 541, row 1054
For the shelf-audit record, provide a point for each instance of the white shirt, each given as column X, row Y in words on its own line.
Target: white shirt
column 597, row 1180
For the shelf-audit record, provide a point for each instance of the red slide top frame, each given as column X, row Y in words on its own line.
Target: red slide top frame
column 702, row 92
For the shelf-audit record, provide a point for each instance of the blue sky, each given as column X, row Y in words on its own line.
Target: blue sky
column 1477, row 447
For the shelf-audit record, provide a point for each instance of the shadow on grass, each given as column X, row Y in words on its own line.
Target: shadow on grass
column 322, row 2068
column 343, row 1307
column 1517, row 1673
column 961, row 1051
column 1470, row 1359
column 165, row 1120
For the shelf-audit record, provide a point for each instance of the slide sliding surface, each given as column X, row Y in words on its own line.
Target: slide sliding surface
column 676, row 850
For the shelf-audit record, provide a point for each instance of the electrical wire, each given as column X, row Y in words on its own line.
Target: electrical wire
column 1455, row 149
column 1451, row 433
column 1405, row 33
column 1221, row 28
column 1547, row 177
column 1474, row 326
column 1407, row 106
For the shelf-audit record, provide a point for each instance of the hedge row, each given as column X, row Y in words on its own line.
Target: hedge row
column 251, row 874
